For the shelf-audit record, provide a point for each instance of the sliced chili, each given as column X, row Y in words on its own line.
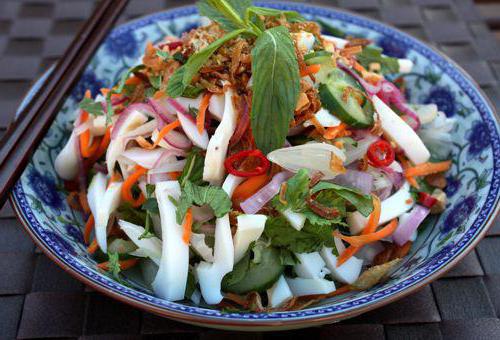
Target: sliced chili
column 380, row 154
column 426, row 200
column 231, row 163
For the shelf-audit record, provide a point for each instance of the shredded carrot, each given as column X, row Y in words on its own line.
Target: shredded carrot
column 82, row 197
column 338, row 131
column 314, row 121
column 129, row 183
column 249, row 187
column 370, row 227
column 124, row 264
column 310, row 69
column 115, row 177
column 89, row 226
column 159, row 95
column 163, row 132
column 175, row 174
column 361, row 240
column 428, row 168
column 187, row 226
column 87, row 149
column 200, row 119
column 405, row 163
column 93, row 247
column 133, row 81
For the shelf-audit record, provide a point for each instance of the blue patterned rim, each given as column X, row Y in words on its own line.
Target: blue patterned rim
column 440, row 262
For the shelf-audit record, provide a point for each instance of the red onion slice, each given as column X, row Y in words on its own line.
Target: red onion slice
column 191, row 131
column 162, row 110
column 202, row 214
column 157, row 178
column 168, row 166
column 360, row 180
column 395, row 177
column 176, row 105
column 145, row 158
column 258, row 200
column 408, row 223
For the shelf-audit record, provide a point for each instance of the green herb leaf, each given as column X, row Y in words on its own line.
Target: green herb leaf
column 297, row 190
column 130, row 214
column 114, row 266
column 182, row 77
column 330, row 29
column 178, row 56
column 156, row 81
column 363, row 203
column 163, row 55
column 291, row 16
column 372, row 54
column 276, row 87
column 227, row 13
column 190, row 285
column 150, row 206
column 191, row 194
column 125, row 76
column 192, row 91
column 92, row 107
column 109, row 108
column 310, row 238
column 287, row 258
column 238, row 272
column 193, row 170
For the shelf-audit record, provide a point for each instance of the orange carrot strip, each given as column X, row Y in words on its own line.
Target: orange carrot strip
column 200, row 119
column 317, row 125
column 89, row 226
column 159, row 95
column 93, row 247
column 249, row 187
column 175, row 174
column 370, row 227
column 406, row 165
column 82, row 197
column 361, row 240
column 163, row 132
column 133, row 81
column 103, row 146
column 428, row 168
column 115, row 177
column 187, row 226
column 310, row 69
column 124, row 264
column 129, row 183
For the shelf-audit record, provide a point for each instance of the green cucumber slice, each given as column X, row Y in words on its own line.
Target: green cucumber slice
column 345, row 107
column 250, row 277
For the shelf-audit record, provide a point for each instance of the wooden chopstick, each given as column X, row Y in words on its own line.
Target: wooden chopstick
column 24, row 135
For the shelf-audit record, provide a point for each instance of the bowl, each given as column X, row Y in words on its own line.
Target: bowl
column 473, row 182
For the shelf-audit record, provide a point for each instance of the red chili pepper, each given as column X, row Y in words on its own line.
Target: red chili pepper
column 174, row 44
column 233, row 161
column 426, row 200
column 380, row 154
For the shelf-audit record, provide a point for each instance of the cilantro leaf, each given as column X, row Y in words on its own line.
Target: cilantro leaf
column 91, row 107
column 193, row 170
column 310, row 238
column 276, row 87
column 363, row 203
column 372, row 54
column 191, row 194
column 163, row 55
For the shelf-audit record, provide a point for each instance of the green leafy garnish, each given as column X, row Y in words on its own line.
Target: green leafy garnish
column 150, row 206
column 190, row 285
column 163, row 55
column 125, row 76
column 92, row 107
column 363, row 203
column 114, row 266
column 310, row 238
column 130, row 214
column 156, row 81
column 192, row 194
column 276, row 80
column 192, row 91
column 330, row 29
column 193, row 170
column 227, row 13
column 182, row 77
column 291, row 16
column 372, row 54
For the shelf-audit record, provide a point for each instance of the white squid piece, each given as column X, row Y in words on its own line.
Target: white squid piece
column 171, row 279
column 250, row 228
column 151, row 247
column 66, row 163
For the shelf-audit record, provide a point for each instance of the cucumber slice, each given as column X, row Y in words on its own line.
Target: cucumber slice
column 318, row 57
column 250, row 277
column 350, row 111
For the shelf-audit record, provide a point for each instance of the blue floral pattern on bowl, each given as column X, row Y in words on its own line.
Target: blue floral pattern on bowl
column 473, row 181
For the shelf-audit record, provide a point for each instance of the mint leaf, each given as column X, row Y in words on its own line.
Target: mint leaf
column 156, row 81
column 330, row 29
column 363, row 203
column 309, row 239
column 372, row 54
column 297, row 190
column 151, row 207
column 276, row 87
column 192, row 194
column 91, row 107
column 163, row 55
column 130, row 214
column 114, row 266
column 125, row 76
column 182, row 77
column 192, row 91
column 291, row 16
column 227, row 13
column 193, row 170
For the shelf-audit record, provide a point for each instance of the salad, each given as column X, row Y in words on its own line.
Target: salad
column 260, row 162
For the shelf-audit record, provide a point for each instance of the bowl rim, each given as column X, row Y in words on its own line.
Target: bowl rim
column 290, row 321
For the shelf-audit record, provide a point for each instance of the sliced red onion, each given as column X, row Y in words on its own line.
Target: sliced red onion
column 118, row 101
column 176, row 105
column 356, row 179
column 191, row 131
column 157, row 178
column 169, row 166
column 168, row 156
column 384, row 193
column 408, row 224
column 161, row 110
column 359, row 151
column 81, row 128
column 369, row 88
column 143, row 130
column 395, row 177
column 145, row 158
column 258, row 200
column 202, row 214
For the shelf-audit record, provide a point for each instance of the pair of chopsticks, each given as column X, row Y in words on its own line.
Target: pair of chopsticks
column 25, row 134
